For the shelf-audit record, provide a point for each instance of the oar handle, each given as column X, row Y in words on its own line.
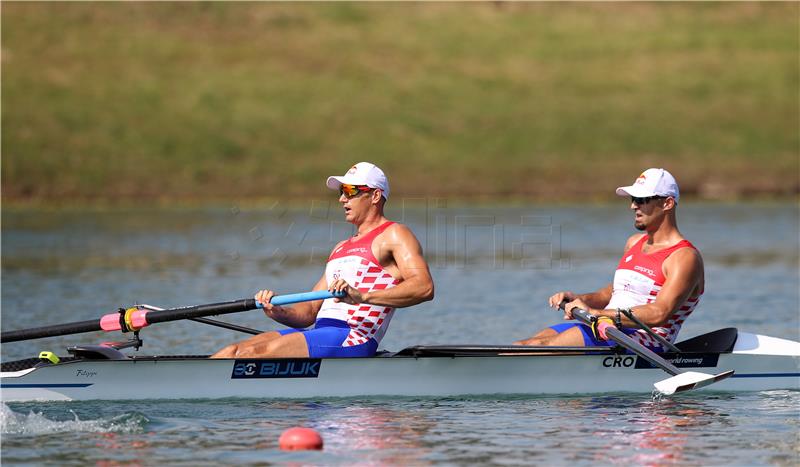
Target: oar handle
column 288, row 299
column 586, row 317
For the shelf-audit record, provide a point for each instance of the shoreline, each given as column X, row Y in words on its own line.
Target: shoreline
column 267, row 202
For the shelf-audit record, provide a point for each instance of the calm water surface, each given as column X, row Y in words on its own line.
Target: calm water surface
column 494, row 269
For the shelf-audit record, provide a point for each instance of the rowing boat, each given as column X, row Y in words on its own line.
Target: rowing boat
column 741, row 362
column 106, row 373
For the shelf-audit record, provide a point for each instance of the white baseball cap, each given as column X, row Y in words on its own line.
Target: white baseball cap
column 363, row 173
column 652, row 182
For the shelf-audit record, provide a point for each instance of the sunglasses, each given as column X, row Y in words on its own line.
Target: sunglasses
column 641, row 201
column 351, row 191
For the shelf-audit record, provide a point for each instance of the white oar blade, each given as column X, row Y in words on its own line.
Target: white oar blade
column 688, row 381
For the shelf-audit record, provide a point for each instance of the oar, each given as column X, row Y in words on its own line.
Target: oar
column 137, row 318
column 680, row 380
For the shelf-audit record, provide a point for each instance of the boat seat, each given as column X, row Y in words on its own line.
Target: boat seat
column 97, row 352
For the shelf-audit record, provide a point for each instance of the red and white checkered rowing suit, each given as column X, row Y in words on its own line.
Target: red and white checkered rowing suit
column 637, row 281
column 354, row 262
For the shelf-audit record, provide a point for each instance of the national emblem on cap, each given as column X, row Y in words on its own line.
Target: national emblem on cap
column 652, row 182
column 363, row 173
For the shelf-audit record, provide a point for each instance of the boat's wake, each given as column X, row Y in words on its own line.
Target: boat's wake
column 36, row 423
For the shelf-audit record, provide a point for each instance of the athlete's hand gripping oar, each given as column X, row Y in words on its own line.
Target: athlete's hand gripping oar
column 135, row 318
column 680, row 380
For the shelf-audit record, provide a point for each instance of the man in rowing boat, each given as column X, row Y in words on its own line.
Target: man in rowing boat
column 380, row 268
column 659, row 278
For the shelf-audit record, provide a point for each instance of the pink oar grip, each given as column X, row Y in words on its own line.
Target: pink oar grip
column 110, row 322
column 139, row 319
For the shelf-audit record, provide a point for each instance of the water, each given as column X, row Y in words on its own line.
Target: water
column 494, row 269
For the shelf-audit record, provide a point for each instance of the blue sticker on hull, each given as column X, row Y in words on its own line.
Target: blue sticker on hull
column 279, row 368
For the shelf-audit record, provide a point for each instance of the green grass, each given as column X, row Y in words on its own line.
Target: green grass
column 209, row 101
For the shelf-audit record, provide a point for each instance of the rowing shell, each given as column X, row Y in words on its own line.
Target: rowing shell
column 95, row 373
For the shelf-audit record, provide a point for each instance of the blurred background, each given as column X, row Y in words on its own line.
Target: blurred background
column 165, row 103
column 174, row 153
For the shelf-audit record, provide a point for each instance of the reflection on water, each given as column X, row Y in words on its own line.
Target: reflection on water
column 619, row 429
column 395, row 435
column 657, row 432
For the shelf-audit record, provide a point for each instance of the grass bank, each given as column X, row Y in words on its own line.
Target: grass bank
column 207, row 101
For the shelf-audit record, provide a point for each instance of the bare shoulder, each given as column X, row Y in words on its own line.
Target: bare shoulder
column 684, row 262
column 398, row 232
column 687, row 256
column 632, row 240
column 398, row 237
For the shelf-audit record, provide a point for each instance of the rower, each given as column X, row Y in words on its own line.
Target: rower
column 379, row 269
column 658, row 281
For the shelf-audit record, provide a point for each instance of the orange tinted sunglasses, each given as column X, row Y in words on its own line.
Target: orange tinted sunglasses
column 350, row 191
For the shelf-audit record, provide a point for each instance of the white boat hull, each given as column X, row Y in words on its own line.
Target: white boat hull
column 757, row 368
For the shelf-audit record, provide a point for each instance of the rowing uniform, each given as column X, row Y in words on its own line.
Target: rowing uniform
column 344, row 330
column 637, row 281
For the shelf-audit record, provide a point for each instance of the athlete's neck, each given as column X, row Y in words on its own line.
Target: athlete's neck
column 666, row 233
column 370, row 224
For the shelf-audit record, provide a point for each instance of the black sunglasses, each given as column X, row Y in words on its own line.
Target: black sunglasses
column 641, row 201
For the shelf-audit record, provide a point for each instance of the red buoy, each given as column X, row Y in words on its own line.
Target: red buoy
column 300, row 439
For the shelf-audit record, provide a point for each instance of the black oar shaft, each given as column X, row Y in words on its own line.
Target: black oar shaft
column 51, row 331
column 199, row 311
column 160, row 316
column 141, row 317
column 622, row 339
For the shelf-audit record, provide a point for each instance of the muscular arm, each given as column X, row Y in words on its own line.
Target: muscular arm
column 299, row 315
column 416, row 284
column 599, row 298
